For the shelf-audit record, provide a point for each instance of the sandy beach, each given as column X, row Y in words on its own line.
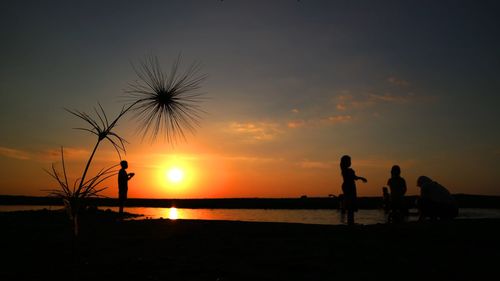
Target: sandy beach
column 38, row 245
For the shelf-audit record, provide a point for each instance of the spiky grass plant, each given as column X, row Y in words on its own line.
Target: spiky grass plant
column 164, row 103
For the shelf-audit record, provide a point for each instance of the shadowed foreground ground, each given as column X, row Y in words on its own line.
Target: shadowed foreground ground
column 39, row 246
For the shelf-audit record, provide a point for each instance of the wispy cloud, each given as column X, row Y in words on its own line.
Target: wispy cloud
column 391, row 98
column 293, row 124
column 398, row 82
column 70, row 153
column 320, row 122
column 346, row 102
column 47, row 155
column 256, row 131
column 335, row 119
column 14, row 153
column 380, row 162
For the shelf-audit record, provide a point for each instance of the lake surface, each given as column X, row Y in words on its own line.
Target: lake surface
column 266, row 215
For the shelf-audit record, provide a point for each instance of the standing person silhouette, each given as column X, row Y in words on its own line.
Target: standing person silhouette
column 397, row 185
column 123, row 178
column 349, row 188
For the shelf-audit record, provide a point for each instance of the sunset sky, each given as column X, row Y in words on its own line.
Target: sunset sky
column 292, row 86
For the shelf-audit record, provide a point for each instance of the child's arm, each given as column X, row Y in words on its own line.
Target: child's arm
column 360, row 178
column 130, row 175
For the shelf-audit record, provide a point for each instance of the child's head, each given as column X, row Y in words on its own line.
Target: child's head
column 345, row 162
column 396, row 171
column 385, row 190
column 124, row 164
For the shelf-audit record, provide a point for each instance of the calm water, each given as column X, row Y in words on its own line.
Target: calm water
column 268, row 215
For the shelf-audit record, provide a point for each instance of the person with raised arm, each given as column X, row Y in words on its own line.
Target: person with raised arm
column 349, row 188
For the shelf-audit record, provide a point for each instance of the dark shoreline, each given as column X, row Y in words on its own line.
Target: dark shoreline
column 464, row 201
column 38, row 245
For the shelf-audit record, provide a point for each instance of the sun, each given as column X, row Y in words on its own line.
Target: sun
column 175, row 175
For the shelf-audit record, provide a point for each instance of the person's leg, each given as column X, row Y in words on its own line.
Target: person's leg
column 395, row 215
column 121, row 202
column 120, row 210
column 350, row 217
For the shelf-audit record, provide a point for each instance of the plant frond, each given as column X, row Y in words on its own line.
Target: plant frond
column 85, row 117
column 87, row 130
column 101, row 127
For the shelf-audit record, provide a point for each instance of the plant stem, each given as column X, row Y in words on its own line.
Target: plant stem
column 75, row 225
column 87, row 167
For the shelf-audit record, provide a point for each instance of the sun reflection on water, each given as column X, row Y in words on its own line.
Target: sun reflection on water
column 173, row 214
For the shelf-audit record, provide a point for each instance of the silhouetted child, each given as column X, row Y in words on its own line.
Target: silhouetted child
column 397, row 186
column 123, row 179
column 349, row 188
column 386, row 200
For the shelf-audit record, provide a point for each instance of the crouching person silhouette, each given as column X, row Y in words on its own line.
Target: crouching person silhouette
column 435, row 200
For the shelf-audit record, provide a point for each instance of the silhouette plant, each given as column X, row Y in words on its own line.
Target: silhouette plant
column 164, row 103
column 73, row 196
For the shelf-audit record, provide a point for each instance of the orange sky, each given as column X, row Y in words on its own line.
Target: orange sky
column 213, row 170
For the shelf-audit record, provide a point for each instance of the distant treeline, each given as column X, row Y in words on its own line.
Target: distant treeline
column 464, row 201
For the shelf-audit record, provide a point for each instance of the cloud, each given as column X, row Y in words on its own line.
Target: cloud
column 293, row 124
column 256, row 131
column 70, row 153
column 341, row 106
column 381, row 162
column 48, row 155
column 52, row 155
column 14, row 153
column 391, row 98
column 321, row 122
column 331, row 120
column 398, row 82
column 295, row 111
column 346, row 102
column 306, row 164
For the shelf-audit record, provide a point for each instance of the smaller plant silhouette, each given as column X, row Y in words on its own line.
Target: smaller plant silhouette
column 74, row 196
